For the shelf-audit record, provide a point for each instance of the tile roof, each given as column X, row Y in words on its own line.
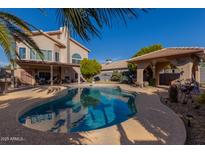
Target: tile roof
column 168, row 52
column 48, row 33
column 115, row 65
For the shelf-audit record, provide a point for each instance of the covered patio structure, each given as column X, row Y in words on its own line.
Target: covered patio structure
column 186, row 59
column 31, row 71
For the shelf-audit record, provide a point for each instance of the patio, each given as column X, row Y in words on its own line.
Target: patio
column 50, row 73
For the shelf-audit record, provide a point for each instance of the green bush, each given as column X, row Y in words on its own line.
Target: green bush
column 201, row 99
column 132, row 68
column 152, row 82
column 90, row 80
column 89, row 68
column 116, row 76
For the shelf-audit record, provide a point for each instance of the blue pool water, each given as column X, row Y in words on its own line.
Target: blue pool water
column 82, row 109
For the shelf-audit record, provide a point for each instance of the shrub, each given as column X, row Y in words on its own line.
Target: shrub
column 132, row 68
column 201, row 99
column 152, row 82
column 90, row 80
column 124, row 79
column 89, row 68
column 116, row 76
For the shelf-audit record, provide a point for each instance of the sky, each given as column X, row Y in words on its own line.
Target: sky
column 169, row 27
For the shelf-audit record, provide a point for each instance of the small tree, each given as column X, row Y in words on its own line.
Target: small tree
column 132, row 68
column 89, row 68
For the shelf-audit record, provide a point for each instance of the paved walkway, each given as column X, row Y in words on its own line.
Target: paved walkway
column 153, row 124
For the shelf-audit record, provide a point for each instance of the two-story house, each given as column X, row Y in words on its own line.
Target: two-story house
column 62, row 56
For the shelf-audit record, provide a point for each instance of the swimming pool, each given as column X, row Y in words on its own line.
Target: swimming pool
column 82, row 109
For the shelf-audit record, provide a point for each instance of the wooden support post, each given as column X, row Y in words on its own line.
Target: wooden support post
column 51, row 72
column 12, row 76
column 61, row 74
column 78, row 77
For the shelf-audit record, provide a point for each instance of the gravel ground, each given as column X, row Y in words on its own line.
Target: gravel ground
column 196, row 129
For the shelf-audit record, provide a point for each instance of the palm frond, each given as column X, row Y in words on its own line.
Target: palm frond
column 15, row 21
column 88, row 22
column 7, row 41
column 14, row 29
column 25, row 39
column 78, row 21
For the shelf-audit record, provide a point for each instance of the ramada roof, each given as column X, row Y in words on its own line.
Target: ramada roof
column 168, row 52
column 117, row 65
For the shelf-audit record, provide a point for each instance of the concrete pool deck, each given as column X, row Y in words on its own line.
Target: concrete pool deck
column 154, row 123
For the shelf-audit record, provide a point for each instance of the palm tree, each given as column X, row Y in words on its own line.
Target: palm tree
column 85, row 22
column 14, row 29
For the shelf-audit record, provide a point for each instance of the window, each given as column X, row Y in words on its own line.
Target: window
column 35, row 56
column 32, row 54
column 57, row 57
column 76, row 58
column 47, row 55
column 22, row 53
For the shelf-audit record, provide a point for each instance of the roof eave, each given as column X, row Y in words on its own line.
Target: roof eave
column 34, row 62
column 79, row 44
column 57, row 43
column 136, row 59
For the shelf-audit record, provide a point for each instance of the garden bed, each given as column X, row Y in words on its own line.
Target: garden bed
column 196, row 130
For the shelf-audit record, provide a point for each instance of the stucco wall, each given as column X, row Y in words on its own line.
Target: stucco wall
column 43, row 42
column 69, row 72
column 63, row 38
column 65, row 53
column 74, row 48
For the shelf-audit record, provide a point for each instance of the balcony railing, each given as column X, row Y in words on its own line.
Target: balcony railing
column 48, row 55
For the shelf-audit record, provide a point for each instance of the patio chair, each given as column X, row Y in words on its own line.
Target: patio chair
column 189, row 88
column 187, row 94
column 67, row 79
column 42, row 81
